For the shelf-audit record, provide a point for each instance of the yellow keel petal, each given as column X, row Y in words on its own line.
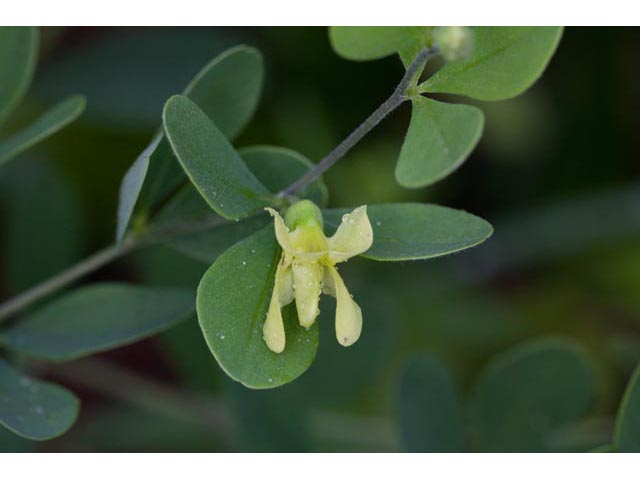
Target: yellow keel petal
column 307, row 283
column 273, row 328
column 348, row 313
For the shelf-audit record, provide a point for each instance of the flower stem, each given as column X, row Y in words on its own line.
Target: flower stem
column 398, row 96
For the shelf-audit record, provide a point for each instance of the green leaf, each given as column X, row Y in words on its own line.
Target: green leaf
column 627, row 433
column 34, row 409
column 428, row 408
column 272, row 420
column 227, row 90
column 604, row 449
column 18, row 57
column 53, row 120
column 133, row 181
column 97, row 318
column 369, row 43
column 209, row 244
column 278, row 167
column 39, row 202
column 213, row 166
column 530, row 392
column 505, row 62
column 441, row 136
column 275, row 167
column 416, row 231
column 232, row 302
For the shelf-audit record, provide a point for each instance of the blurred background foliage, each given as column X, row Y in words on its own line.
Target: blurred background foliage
column 556, row 172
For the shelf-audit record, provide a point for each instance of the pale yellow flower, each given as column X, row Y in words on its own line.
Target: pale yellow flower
column 307, row 269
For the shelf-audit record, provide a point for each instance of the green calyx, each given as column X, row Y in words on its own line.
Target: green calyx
column 304, row 213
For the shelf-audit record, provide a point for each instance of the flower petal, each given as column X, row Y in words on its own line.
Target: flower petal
column 293, row 242
column 348, row 313
column 328, row 285
column 285, row 287
column 282, row 232
column 307, row 283
column 353, row 237
column 273, row 328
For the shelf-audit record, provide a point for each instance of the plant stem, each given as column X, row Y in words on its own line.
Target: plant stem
column 80, row 269
column 398, row 96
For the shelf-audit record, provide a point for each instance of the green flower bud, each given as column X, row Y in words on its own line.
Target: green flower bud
column 303, row 213
column 455, row 43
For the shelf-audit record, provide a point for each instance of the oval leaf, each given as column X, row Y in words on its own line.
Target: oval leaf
column 370, row 43
column 133, row 180
column 49, row 123
column 34, row 409
column 97, row 318
column 416, row 231
column 530, row 392
column 627, row 434
column 213, row 166
column 278, row 167
column 209, row 244
column 227, row 90
column 505, row 62
column 18, row 57
column 440, row 138
column 232, row 303
column 428, row 408
column 275, row 167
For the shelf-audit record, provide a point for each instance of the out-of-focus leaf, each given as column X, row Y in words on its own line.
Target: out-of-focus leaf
column 370, row 43
column 97, row 318
column 428, row 408
column 528, row 393
column 627, row 434
column 440, row 138
column 18, row 57
column 190, row 357
column 146, row 431
column 44, row 229
column 505, row 62
column 232, row 302
column 49, row 123
column 271, row 420
column 128, row 74
column 604, row 449
column 12, row 443
column 227, row 90
column 560, row 230
column 414, row 231
column 339, row 375
column 34, row 409
column 213, row 166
